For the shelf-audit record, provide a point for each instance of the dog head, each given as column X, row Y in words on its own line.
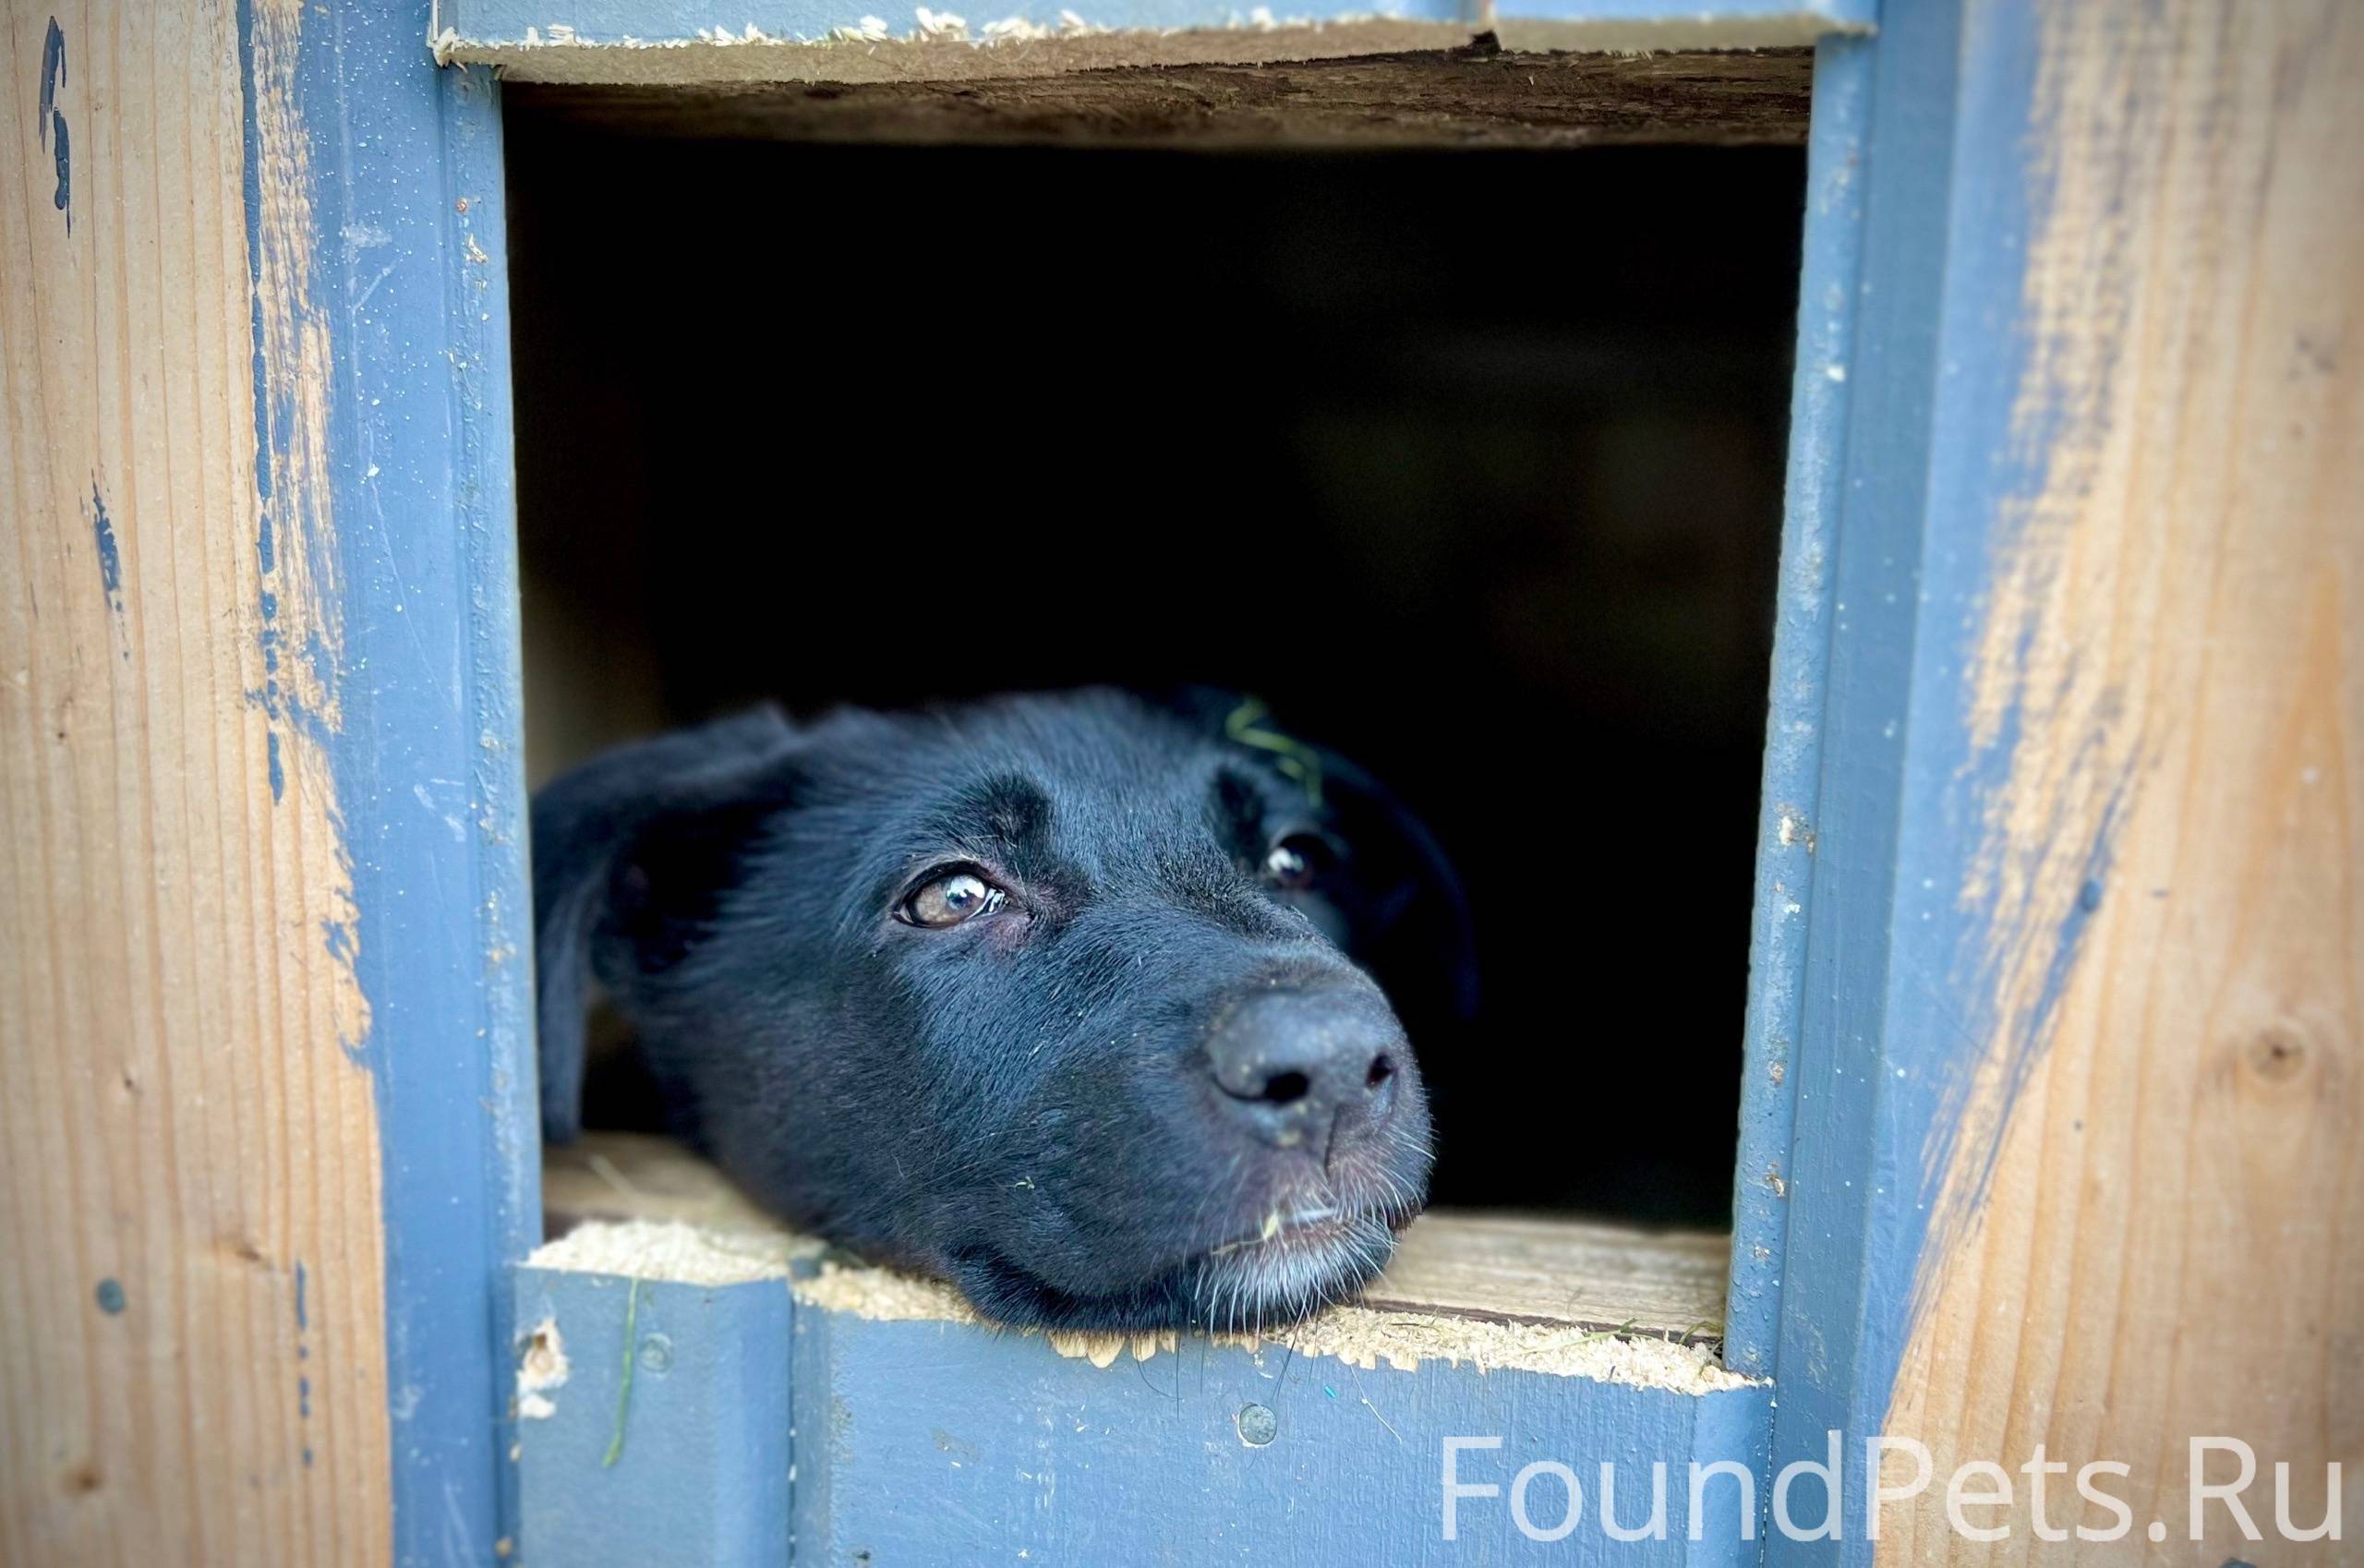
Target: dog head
column 1053, row 996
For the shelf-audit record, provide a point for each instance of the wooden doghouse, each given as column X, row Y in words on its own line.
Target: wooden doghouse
column 2050, row 1092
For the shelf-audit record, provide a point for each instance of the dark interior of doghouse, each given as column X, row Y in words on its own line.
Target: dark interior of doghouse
column 1468, row 463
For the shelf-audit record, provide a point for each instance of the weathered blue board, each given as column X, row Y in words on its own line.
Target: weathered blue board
column 751, row 1423
column 1789, row 802
column 683, row 1460
column 1891, row 994
column 407, row 285
column 930, row 1442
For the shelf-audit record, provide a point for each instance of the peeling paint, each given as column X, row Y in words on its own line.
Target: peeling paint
column 541, row 1368
column 296, row 592
column 110, row 556
column 51, row 128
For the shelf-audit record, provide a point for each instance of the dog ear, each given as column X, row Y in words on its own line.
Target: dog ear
column 630, row 851
column 1421, row 942
column 1414, row 931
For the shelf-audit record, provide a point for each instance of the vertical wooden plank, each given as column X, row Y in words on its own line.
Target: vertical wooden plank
column 2148, row 1220
column 192, row 1339
column 410, row 252
column 2075, row 1161
column 399, row 282
column 1799, row 696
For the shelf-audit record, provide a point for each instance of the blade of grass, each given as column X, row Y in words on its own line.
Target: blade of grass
column 623, row 1395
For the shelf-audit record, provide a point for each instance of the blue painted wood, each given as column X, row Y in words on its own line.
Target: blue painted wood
column 935, row 1442
column 407, row 283
column 1897, row 1003
column 1840, row 15
column 491, row 23
column 689, row 1464
column 1788, row 802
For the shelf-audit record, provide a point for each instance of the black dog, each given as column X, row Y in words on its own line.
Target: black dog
column 1050, row 996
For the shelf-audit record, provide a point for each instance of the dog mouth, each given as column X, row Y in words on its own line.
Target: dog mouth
column 1294, row 1264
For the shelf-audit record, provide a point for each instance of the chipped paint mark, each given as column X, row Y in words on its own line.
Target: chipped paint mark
column 51, row 123
column 110, row 557
column 303, row 1351
column 110, row 1297
column 53, row 76
column 542, row 1367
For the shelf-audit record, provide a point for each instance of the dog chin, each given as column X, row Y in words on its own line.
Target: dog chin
column 1267, row 1281
column 1299, row 1267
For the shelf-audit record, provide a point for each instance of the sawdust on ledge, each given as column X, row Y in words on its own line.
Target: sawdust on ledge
column 669, row 1250
column 1363, row 1336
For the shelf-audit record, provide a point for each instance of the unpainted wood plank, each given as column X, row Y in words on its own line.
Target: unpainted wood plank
column 2150, row 1224
column 634, row 1175
column 192, row 1352
column 1526, row 1269
column 1474, row 97
column 865, row 48
column 1509, row 1268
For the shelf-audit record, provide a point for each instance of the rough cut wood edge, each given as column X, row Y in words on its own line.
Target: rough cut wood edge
column 734, row 60
column 1368, row 1336
column 1494, row 1289
column 1471, row 97
column 2150, row 1220
column 192, row 1342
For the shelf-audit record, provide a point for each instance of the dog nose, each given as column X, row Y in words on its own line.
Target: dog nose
column 1307, row 1066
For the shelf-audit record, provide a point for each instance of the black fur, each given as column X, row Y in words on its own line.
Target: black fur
column 1080, row 1108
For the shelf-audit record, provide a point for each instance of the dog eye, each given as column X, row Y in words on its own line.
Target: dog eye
column 951, row 898
column 1295, row 861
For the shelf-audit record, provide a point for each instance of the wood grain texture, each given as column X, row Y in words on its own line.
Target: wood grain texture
column 826, row 43
column 1530, row 1270
column 1507, row 1267
column 2151, row 1222
column 192, row 1355
column 1468, row 97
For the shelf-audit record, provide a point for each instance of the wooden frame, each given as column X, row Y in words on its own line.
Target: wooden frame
column 2053, row 1032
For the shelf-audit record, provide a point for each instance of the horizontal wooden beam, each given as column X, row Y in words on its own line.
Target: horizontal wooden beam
column 689, row 1396
column 669, row 43
column 1493, row 1268
column 1461, row 97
